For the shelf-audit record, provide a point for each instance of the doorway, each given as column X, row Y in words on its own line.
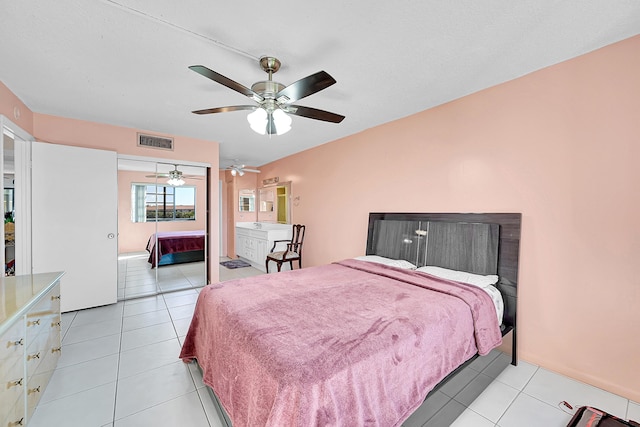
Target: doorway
column 16, row 185
column 162, row 226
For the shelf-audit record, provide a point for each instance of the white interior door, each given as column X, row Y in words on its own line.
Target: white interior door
column 74, row 221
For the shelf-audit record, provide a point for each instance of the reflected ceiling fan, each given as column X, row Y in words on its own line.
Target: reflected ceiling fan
column 240, row 170
column 274, row 101
column 176, row 177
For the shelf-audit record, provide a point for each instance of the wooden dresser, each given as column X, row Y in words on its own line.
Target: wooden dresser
column 29, row 342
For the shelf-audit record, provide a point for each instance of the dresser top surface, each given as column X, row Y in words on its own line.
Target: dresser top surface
column 19, row 293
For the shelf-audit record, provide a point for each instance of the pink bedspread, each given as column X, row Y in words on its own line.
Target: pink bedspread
column 346, row 344
column 174, row 241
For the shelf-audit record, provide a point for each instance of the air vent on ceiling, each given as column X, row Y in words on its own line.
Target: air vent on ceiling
column 152, row 141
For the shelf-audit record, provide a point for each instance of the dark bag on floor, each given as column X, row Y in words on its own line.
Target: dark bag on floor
column 586, row 416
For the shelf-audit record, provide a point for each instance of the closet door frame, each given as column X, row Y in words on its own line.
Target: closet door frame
column 22, row 192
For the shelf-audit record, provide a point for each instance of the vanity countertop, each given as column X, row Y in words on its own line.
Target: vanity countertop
column 266, row 226
column 19, row 293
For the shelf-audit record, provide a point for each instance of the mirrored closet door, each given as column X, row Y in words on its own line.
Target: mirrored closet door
column 162, row 227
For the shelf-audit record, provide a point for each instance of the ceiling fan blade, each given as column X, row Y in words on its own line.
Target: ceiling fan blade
column 164, row 175
column 314, row 113
column 225, row 81
column 241, row 168
column 225, row 109
column 306, row 86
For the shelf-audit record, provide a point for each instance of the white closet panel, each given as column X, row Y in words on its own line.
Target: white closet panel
column 75, row 221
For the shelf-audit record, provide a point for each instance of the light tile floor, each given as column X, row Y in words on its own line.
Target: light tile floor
column 119, row 367
column 136, row 278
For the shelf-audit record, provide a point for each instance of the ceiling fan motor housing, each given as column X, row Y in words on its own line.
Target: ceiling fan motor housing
column 267, row 88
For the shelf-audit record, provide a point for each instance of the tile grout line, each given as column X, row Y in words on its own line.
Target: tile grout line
column 518, row 395
column 115, row 394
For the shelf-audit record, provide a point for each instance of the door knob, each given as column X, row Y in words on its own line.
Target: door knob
column 111, row 235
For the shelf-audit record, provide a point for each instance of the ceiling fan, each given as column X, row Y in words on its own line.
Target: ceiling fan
column 240, row 170
column 274, row 100
column 176, row 177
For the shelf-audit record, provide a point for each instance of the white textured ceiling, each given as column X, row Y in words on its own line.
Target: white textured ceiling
column 124, row 62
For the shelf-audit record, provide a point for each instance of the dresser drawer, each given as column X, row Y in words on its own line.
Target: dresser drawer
column 38, row 380
column 14, row 414
column 12, row 342
column 12, row 387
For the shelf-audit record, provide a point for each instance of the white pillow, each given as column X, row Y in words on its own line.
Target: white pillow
column 461, row 276
column 398, row 263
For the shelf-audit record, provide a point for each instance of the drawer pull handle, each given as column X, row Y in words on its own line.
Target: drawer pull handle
column 19, row 422
column 33, row 322
column 55, row 297
column 14, row 383
column 33, row 356
column 16, row 343
column 54, row 324
column 54, row 350
column 34, row 390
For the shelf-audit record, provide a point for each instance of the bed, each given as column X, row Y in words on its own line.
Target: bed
column 350, row 343
column 175, row 247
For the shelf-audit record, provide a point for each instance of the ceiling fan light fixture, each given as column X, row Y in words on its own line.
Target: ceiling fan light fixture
column 277, row 122
column 236, row 171
column 258, row 120
column 175, row 178
column 176, row 182
column 282, row 122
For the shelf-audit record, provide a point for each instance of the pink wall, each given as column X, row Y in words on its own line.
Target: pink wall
column 15, row 110
column 132, row 236
column 561, row 147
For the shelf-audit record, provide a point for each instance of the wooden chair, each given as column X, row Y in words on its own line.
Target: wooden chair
column 293, row 251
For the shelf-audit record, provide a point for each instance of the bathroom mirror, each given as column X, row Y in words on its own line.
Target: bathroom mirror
column 266, row 200
column 274, row 204
column 247, row 200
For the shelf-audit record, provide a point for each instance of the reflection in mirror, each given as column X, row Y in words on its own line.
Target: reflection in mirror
column 153, row 215
column 162, row 202
column 266, row 199
column 274, row 204
column 283, row 202
column 247, row 201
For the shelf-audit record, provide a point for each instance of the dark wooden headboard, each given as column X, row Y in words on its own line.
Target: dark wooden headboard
column 481, row 243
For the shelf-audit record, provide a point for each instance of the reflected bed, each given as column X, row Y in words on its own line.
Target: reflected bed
column 176, row 247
